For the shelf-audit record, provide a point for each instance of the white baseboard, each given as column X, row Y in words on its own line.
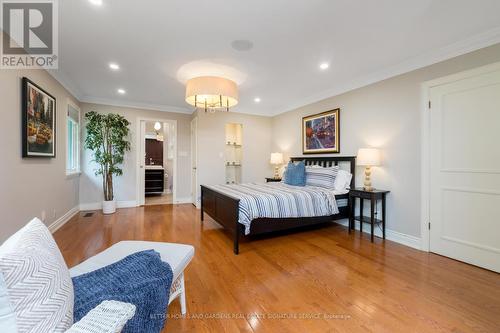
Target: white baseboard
column 98, row 205
column 395, row 236
column 183, row 200
column 54, row 226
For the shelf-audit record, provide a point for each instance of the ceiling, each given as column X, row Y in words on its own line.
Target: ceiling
column 160, row 44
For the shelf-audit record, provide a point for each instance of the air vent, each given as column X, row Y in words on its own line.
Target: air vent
column 88, row 214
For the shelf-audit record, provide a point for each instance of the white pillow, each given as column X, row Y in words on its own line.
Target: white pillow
column 343, row 180
column 320, row 176
column 7, row 314
column 37, row 280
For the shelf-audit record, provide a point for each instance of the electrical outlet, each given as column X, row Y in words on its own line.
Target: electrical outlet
column 44, row 216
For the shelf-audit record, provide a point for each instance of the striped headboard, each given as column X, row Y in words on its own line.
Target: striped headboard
column 350, row 162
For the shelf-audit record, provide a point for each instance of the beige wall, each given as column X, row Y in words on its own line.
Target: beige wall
column 125, row 186
column 384, row 115
column 31, row 185
column 256, row 148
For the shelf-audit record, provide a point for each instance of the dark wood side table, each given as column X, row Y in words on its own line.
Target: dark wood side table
column 373, row 196
column 273, row 180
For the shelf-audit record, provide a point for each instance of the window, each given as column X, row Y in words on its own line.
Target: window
column 72, row 140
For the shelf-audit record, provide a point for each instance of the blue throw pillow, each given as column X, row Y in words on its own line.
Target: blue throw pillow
column 295, row 174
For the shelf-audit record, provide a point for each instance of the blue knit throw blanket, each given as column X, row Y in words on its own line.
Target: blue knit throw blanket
column 140, row 278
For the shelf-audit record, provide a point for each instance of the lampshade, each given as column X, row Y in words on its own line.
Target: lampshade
column 276, row 158
column 368, row 157
column 211, row 92
column 157, row 126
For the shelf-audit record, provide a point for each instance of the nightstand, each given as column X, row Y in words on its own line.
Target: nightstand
column 373, row 196
column 273, row 180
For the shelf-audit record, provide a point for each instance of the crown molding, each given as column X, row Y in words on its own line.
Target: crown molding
column 479, row 41
column 68, row 84
column 135, row 105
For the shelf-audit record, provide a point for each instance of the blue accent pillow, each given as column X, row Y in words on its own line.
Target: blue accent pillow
column 295, row 174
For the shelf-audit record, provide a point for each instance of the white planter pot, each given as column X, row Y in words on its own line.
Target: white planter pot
column 109, row 207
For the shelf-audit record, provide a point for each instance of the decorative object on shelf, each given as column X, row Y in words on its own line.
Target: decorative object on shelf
column 39, row 121
column 368, row 157
column 107, row 137
column 276, row 160
column 320, row 133
column 211, row 93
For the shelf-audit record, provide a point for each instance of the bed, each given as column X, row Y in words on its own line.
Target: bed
column 224, row 208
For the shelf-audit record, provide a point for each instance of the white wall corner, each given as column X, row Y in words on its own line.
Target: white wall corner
column 54, row 226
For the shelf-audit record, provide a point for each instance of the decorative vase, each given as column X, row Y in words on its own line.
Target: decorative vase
column 109, row 207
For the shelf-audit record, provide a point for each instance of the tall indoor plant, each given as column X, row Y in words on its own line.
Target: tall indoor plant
column 107, row 137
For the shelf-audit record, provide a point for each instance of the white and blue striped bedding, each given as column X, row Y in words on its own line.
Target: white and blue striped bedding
column 279, row 200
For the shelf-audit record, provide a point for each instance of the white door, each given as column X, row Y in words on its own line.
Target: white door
column 465, row 168
column 194, row 154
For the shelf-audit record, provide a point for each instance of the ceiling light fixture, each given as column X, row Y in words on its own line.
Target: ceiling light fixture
column 121, row 91
column 256, row 99
column 114, row 66
column 324, row 66
column 96, row 2
column 211, row 93
column 157, row 127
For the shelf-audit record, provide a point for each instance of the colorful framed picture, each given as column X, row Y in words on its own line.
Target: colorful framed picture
column 320, row 133
column 38, row 121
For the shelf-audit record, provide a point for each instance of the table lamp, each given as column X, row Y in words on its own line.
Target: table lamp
column 368, row 157
column 276, row 160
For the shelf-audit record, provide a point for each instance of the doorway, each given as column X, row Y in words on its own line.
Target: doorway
column 464, row 167
column 156, row 161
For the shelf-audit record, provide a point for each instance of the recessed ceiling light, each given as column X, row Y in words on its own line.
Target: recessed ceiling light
column 114, row 66
column 256, row 99
column 324, row 66
column 121, row 91
column 96, row 2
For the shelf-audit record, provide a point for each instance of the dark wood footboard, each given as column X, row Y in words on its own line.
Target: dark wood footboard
column 224, row 210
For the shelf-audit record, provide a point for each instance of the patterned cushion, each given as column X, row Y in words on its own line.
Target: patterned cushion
column 322, row 177
column 37, row 279
column 295, row 174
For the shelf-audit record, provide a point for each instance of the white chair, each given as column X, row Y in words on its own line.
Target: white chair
column 177, row 256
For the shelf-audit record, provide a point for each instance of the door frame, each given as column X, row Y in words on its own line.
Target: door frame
column 194, row 157
column 139, row 184
column 425, row 120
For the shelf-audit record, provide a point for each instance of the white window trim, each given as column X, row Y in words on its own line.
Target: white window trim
column 70, row 173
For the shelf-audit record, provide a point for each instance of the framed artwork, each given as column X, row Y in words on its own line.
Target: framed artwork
column 320, row 133
column 38, row 121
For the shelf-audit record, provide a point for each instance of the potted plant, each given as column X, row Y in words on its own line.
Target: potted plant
column 107, row 137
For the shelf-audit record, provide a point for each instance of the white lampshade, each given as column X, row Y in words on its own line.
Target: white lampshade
column 211, row 92
column 368, row 157
column 276, row 158
column 157, row 126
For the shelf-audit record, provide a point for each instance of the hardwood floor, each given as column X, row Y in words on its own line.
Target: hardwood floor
column 336, row 281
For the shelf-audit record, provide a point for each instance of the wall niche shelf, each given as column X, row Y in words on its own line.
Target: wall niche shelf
column 233, row 156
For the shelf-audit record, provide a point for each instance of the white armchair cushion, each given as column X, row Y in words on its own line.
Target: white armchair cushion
column 107, row 317
column 37, row 280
